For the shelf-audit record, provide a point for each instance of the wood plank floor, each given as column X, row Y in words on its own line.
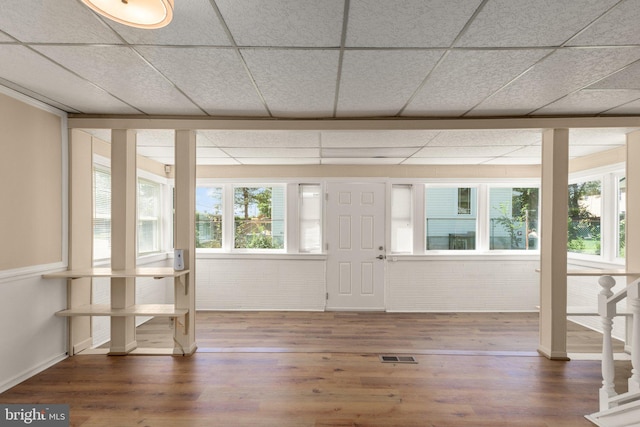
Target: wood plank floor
column 252, row 369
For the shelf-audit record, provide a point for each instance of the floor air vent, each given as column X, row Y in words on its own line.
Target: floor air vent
column 397, row 359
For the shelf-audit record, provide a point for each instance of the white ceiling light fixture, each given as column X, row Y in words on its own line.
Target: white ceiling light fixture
column 147, row 14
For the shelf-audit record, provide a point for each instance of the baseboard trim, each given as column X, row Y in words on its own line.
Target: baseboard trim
column 31, row 372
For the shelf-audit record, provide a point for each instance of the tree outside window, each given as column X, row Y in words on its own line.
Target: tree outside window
column 585, row 206
column 514, row 218
column 209, row 217
column 259, row 217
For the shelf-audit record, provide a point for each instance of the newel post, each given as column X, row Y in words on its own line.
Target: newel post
column 607, row 312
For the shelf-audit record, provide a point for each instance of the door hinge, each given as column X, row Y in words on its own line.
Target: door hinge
column 327, row 296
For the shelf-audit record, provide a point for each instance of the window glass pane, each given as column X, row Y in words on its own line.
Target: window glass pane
column 401, row 219
column 585, row 203
column 622, row 215
column 209, row 217
column 148, row 216
column 513, row 218
column 447, row 228
column 310, row 218
column 101, row 213
column 259, row 217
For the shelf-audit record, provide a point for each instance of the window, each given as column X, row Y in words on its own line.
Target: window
column 209, row 217
column 310, row 217
column 401, row 219
column 585, row 207
column 451, row 218
column 513, row 218
column 259, row 217
column 621, row 217
column 101, row 213
column 149, row 216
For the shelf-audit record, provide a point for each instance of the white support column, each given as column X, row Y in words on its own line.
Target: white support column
column 632, row 251
column 553, row 244
column 185, row 193
column 607, row 312
column 80, row 236
column 123, row 236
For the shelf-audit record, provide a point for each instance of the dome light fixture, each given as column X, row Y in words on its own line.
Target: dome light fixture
column 147, row 14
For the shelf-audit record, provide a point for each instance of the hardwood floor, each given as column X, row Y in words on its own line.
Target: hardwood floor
column 323, row 369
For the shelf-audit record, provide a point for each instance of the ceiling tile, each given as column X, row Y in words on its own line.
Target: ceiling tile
column 299, row 23
column 572, row 69
column 155, row 138
column 368, row 152
column 465, row 152
column 363, row 161
column 135, row 82
column 632, row 108
column 589, row 101
column 214, row 161
column 259, row 139
column 279, row 161
column 295, row 83
column 487, row 138
column 59, row 21
column 400, row 138
column 627, row 78
column 215, row 79
column 466, row 77
column 510, row 23
column 36, row 73
column 609, row 136
column 379, row 83
column 101, row 134
column 206, row 152
column 530, row 151
column 410, row 23
column 446, row 160
column 195, row 22
column 5, row 38
column 156, row 152
column 513, row 161
column 618, row 27
column 272, row 152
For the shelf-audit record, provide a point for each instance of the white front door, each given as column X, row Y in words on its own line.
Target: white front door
column 356, row 246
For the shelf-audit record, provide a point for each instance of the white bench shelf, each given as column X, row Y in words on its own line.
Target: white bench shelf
column 155, row 310
column 155, row 272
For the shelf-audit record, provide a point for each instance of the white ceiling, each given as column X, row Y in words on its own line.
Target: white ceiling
column 337, row 59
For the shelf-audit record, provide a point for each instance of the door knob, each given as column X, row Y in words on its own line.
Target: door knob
column 380, row 257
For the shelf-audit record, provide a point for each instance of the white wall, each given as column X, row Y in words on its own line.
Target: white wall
column 31, row 337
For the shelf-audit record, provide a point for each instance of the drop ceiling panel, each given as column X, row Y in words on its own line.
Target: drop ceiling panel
column 207, row 152
column 5, row 38
column 279, row 161
column 338, row 139
column 363, row 161
column 513, row 161
column 627, row 78
column 155, row 138
column 618, row 27
column 367, row 152
column 260, row 139
column 59, row 21
column 465, row 152
column 134, row 81
column 466, row 77
column 487, row 138
column 301, row 23
column 613, row 136
column 272, row 152
column 632, row 108
column 194, row 23
column 571, row 69
column 295, row 83
column 215, row 79
column 412, row 23
column 156, row 152
column 589, row 101
column 210, row 161
column 34, row 72
column 504, row 23
column 379, row 83
column 446, row 160
column 530, row 151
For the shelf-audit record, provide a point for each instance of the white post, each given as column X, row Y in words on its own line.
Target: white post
column 607, row 313
column 633, row 298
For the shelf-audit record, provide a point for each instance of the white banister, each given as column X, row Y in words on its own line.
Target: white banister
column 607, row 313
column 633, row 298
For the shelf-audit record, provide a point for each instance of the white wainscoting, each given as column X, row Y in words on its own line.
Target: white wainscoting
column 248, row 283
column 421, row 284
column 33, row 338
